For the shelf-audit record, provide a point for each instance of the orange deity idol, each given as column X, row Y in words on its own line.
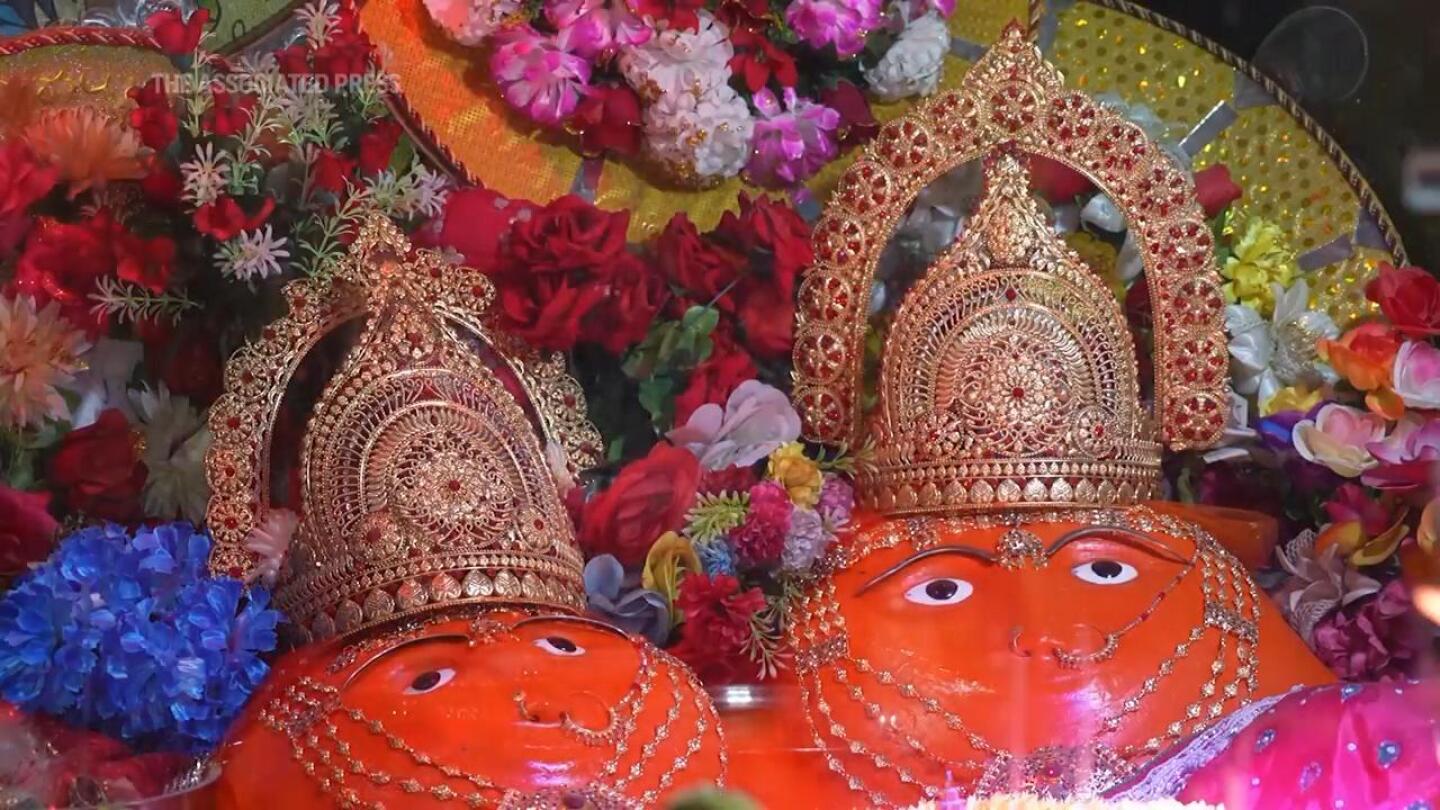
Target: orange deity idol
column 433, row 584
column 1008, row 616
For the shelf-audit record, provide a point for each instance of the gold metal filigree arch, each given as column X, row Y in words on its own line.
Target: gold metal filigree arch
column 1013, row 99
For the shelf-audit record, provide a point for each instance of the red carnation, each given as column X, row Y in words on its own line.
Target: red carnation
column 857, row 122
column 146, row 262
column 608, row 120
column 714, row 379
column 1057, row 182
column 24, row 180
column 27, row 531
column 717, row 623
column 649, row 497
column 99, row 470
column 631, row 299
column 1410, row 299
column 1215, row 190
column 62, row 261
column 154, row 116
column 703, row 267
column 175, row 35
column 224, row 219
column 228, row 114
column 681, row 14
column 161, row 184
column 331, row 171
column 757, row 59
column 346, row 52
column 377, row 144
column 293, row 60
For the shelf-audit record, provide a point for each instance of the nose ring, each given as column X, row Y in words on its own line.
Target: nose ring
column 1073, row 660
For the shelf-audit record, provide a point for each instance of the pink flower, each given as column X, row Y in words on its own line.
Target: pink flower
column 269, row 541
column 1407, row 458
column 792, row 142
column 1416, row 375
column 761, row 538
column 757, row 419
column 1337, row 438
column 842, row 23
column 595, row 28
column 1377, row 640
column 537, row 77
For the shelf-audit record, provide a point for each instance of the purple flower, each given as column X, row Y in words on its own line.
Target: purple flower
column 837, row 501
column 842, row 23
column 537, row 77
column 595, row 28
column 792, row 142
column 1379, row 639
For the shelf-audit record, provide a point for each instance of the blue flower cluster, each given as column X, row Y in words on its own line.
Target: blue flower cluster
column 131, row 636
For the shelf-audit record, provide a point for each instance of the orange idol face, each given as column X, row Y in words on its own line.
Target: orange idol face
column 1004, row 655
column 499, row 710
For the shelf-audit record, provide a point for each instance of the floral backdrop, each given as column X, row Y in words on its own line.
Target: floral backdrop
column 136, row 254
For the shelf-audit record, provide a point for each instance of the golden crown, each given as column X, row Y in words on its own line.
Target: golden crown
column 1009, row 377
column 425, row 482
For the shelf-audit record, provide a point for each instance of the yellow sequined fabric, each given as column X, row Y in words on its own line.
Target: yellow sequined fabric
column 69, row 73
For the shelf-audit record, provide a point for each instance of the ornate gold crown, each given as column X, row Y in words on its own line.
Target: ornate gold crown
column 1009, row 377
column 425, row 482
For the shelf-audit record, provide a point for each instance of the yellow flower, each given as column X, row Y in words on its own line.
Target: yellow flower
column 1291, row 398
column 1101, row 257
column 670, row 559
column 799, row 475
column 1261, row 258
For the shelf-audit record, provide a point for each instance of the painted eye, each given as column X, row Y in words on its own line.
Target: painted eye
column 430, row 680
column 942, row 591
column 1104, row 572
column 559, row 645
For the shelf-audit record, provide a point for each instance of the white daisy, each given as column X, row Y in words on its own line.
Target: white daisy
column 252, row 254
column 206, row 175
column 175, row 445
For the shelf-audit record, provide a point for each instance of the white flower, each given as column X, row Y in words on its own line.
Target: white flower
column 1318, row 583
column 175, row 445
column 470, row 22
column 1237, row 434
column 252, row 254
column 912, row 65
column 40, row 352
column 1339, row 438
column 105, row 381
column 757, row 419
column 559, row 465
column 700, row 137
column 205, row 176
column 677, row 62
column 1269, row 356
column 269, row 541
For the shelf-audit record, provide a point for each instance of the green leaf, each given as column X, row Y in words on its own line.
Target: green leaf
column 401, row 158
column 657, row 397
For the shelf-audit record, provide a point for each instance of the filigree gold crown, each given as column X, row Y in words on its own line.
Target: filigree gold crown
column 424, row 479
column 1009, row 377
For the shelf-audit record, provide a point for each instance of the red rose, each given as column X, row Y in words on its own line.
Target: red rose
column 224, row 219
column 608, row 120
column 331, row 171
column 631, row 300
column 346, row 53
column 229, row 114
column 681, row 14
column 703, row 267
column 554, row 268
column 27, row 531
column 649, row 497
column 774, row 238
column 474, row 223
column 714, row 379
column 1057, row 182
column 717, row 623
column 1215, row 189
column 569, row 234
column 98, row 468
column 154, row 116
column 62, row 261
column 177, row 36
column 146, row 262
column 757, row 59
column 24, row 180
column 857, row 122
column 161, row 184
column 1410, row 299
column 377, row 144
column 768, row 316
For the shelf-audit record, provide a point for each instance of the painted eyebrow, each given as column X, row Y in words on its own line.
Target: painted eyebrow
column 963, row 551
column 581, row 620
column 1129, row 537
column 410, row 642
